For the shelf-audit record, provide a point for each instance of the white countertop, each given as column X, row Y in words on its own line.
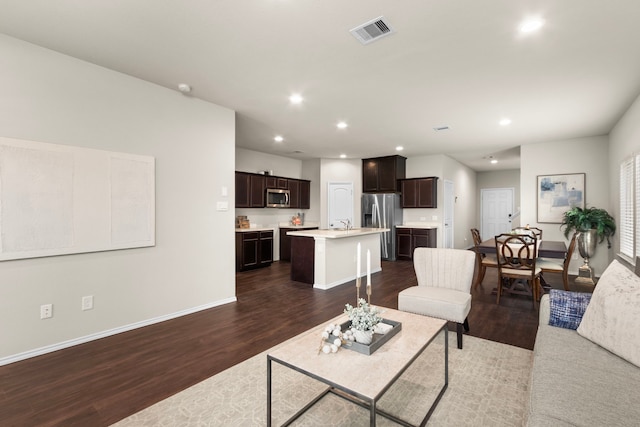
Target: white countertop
column 298, row 227
column 249, row 230
column 336, row 233
column 424, row 226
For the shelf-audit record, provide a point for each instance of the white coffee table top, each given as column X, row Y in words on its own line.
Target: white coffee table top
column 365, row 375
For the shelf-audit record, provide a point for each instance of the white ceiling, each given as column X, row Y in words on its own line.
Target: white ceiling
column 458, row 63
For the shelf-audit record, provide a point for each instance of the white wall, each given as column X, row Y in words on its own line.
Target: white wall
column 465, row 190
column 589, row 155
column 49, row 97
column 624, row 141
column 311, row 170
column 255, row 161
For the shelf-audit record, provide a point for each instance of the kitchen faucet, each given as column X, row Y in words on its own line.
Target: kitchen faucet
column 347, row 224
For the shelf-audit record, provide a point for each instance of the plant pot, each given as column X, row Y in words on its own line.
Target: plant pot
column 363, row 337
column 587, row 241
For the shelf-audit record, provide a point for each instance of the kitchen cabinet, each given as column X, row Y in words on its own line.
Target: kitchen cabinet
column 419, row 192
column 303, row 262
column 381, row 174
column 254, row 249
column 305, row 194
column 285, row 241
column 250, row 190
column 294, row 193
column 300, row 193
column 408, row 239
column 403, row 244
column 277, row 182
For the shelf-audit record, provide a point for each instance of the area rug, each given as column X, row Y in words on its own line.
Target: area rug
column 488, row 386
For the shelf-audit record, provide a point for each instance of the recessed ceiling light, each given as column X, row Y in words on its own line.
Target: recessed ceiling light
column 494, row 161
column 278, row 138
column 531, row 25
column 342, row 125
column 296, row 98
column 343, row 156
column 399, row 148
column 184, row 88
column 505, row 121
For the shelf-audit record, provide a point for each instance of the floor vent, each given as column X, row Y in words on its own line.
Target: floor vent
column 372, row 30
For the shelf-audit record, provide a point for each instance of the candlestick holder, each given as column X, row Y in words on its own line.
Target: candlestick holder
column 358, row 283
column 369, row 293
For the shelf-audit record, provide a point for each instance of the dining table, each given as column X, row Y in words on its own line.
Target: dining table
column 546, row 249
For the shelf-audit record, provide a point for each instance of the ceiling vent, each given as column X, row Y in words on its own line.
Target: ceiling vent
column 441, row 128
column 372, row 30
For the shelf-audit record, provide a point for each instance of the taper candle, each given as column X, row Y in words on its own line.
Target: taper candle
column 358, row 261
column 368, row 268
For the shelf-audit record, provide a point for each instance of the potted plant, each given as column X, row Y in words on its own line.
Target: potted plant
column 578, row 219
column 593, row 225
column 363, row 319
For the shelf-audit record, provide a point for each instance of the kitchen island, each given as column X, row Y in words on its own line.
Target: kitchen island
column 327, row 258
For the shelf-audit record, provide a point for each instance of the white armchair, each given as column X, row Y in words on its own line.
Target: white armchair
column 444, row 285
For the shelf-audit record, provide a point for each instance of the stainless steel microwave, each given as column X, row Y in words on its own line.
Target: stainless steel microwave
column 277, row 198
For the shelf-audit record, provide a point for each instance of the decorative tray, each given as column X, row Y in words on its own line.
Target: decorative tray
column 377, row 341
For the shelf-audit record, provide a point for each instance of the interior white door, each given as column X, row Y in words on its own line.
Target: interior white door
column 449, row 200
column 340, row 204
column 496, row 211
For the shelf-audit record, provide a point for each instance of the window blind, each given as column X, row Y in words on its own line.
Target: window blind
column 637, row 207
column 627, row 202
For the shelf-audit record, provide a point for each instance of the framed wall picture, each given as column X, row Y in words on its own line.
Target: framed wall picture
column 556, row 194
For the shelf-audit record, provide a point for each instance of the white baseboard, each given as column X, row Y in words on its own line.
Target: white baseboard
column 343, row 281
column 87, row 338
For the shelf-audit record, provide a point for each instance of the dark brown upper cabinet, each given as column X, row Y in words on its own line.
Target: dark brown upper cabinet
column 381, row 174
column 277, row 182
column 419, row 192
column 250, row 190
column 305, row 194
column 294, row 193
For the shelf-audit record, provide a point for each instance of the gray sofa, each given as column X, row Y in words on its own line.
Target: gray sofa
column 575, row 382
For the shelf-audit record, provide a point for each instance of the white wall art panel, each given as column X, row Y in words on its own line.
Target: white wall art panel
column 58, row 199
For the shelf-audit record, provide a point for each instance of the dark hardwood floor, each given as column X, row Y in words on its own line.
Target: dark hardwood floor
column 101, row 382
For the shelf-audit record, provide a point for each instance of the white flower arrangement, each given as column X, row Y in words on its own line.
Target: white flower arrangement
column 363, row 317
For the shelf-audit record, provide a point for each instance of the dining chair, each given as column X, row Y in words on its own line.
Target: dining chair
column 554, row 265
column 444, row 283
column 532, row 231
column 517, row 265
column 482, row 260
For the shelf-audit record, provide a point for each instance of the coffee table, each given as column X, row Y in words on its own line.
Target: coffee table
column 362, row 379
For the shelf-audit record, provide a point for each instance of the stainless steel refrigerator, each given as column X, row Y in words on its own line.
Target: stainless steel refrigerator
column 383, row 211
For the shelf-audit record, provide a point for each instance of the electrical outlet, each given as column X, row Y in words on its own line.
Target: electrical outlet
column 46, row 311
column 423, row 218
column 434, row 217
column 87, row 302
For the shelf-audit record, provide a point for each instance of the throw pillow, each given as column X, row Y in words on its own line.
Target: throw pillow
column 567, row 308
column 611, row 319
